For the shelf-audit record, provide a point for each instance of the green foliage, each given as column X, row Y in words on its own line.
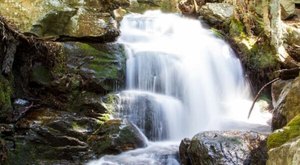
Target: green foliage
column 291, row 131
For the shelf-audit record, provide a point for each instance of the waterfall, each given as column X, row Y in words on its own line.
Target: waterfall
column 181, row 80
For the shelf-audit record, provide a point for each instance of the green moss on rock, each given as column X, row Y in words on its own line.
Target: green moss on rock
column 278, row 138
column 5, row 98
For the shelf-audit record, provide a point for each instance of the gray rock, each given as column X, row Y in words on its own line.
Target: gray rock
column 228, row 147
column 216, row 13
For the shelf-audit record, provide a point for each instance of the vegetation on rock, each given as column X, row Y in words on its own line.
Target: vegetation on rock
column 281, row 136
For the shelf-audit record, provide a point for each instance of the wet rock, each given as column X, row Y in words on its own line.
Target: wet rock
column 229, row 147
column 144, row 110
column 116, row 136
column 286, row 104
column 287, row 153
column 183, row 148
column 216, row 13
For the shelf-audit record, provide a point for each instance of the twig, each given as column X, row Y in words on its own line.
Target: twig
column 258, row 94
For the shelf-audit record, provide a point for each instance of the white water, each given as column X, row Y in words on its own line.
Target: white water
column 182, row 79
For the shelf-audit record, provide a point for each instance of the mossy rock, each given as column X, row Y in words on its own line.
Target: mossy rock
column 63, row 17
column 6, row 92
column 116, row 136
column 101, row 65
column 289, row 132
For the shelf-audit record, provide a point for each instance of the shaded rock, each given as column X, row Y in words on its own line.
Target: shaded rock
column 87, row 103
column 288, row 153
column 5, row 99
column 216, row 13
column 116, row 136
column 287, row 104
column 102, row 66
column 52, row 135
column 41, row 75
column 183, row 148
column 229, row 147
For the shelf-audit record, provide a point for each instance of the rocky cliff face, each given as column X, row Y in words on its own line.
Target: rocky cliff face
column 50, row 89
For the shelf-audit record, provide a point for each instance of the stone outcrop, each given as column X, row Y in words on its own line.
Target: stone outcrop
column 229, row 147
column 82, row 19
column 288, row 153
column 286, row 102
column 283, row 144
column 217, row 13
column 50, row 97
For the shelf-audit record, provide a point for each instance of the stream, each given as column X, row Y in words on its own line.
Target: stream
column 180, row 80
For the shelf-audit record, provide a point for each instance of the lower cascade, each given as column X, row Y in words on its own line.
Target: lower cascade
column 181, row 80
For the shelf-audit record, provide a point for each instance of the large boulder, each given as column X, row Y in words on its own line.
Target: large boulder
column 64, row 18
column 216, row 13
column 229, row 147
column 288, row 153
column 284, row 144
column 286, row 105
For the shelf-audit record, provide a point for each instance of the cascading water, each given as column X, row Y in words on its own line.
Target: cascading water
column 181, row 80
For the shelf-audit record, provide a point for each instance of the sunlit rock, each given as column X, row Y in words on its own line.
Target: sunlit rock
column 288, row 153
column 228, row 147
column 287, row 103
column 216, row 13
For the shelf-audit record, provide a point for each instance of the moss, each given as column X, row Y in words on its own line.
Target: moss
column 291, row 131
column 236, row 28
column 5, row 97
column 256, row 51
column 217, row 33
column 104, row 118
